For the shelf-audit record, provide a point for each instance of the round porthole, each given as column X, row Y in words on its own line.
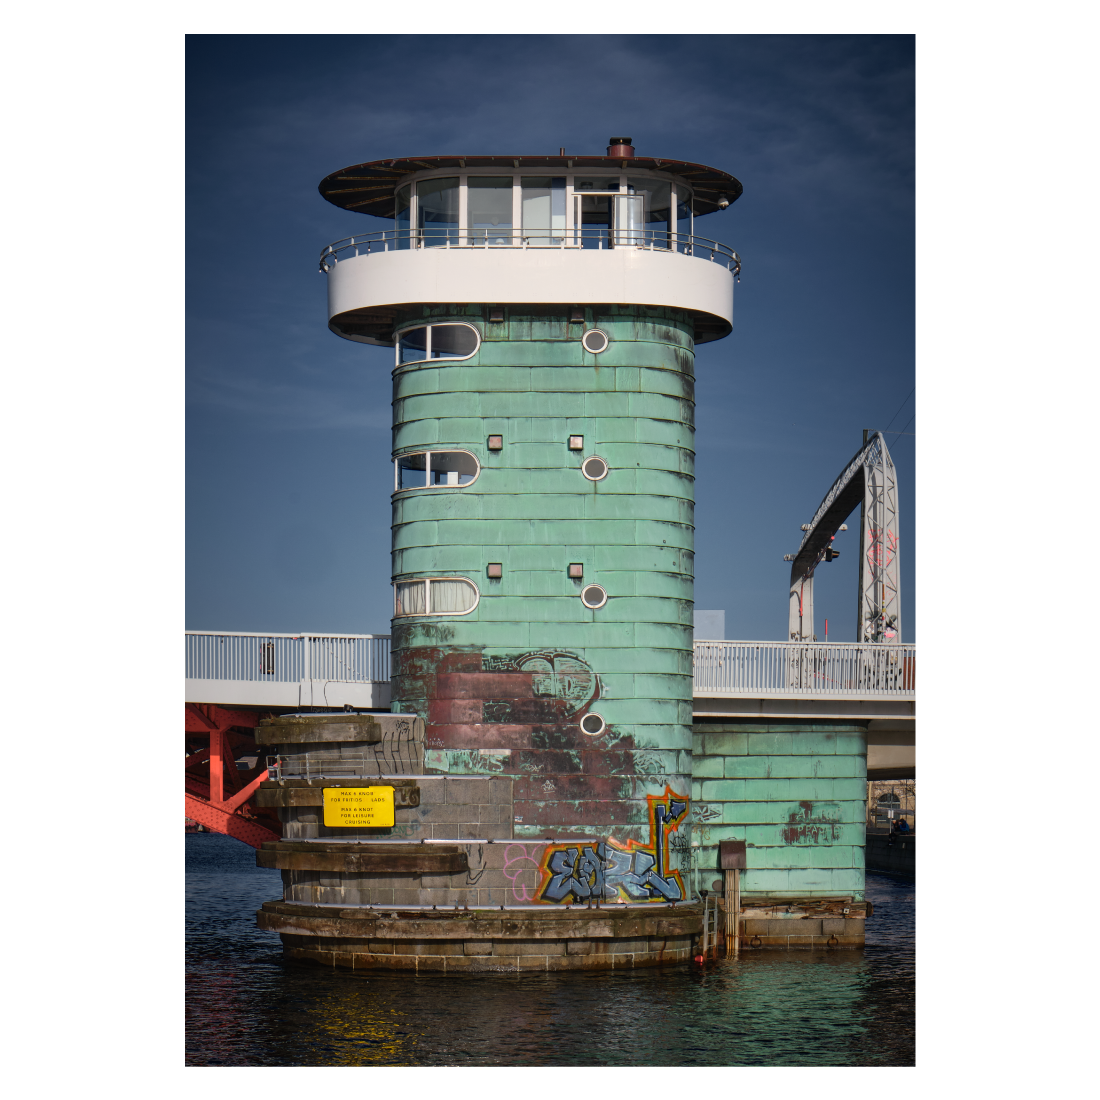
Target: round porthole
column 595, row 340
column 594, row 468
column 593, row 596
column 593, row 723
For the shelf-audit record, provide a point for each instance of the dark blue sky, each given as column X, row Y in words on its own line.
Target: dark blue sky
column 288, row 425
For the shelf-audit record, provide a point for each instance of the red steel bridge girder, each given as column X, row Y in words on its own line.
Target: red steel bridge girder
column 216, row 793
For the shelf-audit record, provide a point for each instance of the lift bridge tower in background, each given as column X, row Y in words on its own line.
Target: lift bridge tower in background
column 870, row 482
column 544, row 312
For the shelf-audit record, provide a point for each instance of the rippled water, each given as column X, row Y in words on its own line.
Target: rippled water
column 247, row 1006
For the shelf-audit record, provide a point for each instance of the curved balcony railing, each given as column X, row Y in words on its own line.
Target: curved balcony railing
column 397, row 240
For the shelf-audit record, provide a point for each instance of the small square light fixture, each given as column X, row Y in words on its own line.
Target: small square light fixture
column 496, row 315
column 496, row 443
column 576, row 442
column 576, row 317
column 495, row 569
column 576, row 570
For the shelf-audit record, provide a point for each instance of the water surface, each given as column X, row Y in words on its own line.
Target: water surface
column 247, row 1006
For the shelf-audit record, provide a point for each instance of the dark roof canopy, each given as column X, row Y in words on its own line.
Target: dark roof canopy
column 369, row 188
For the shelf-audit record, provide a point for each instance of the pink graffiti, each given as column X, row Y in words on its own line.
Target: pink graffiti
column 517, row 866
column 879, row 553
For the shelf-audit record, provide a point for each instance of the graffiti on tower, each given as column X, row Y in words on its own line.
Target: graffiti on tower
column 556, row 684
column 608, row 870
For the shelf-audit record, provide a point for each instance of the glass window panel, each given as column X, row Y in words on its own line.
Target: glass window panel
column 453, row 468
column 543, row 209
column 403, row 215
column 629, row 215
column 557, row 207
column 657, row 196
column 412, row 471
column 536, row 209
column 451, row 596
column 410, row 598
column 437, row 210
column 489, row 209
column 594, row 217
column 412, row 346
column 453, row 341
column 596, row 183
column 683, row 220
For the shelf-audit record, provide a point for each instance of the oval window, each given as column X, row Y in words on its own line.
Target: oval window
column 446, row 341
column 428, row 469
column 435, row 596
column 594, row 468
column 595, row 340
column 593, row 723
column 593, row 596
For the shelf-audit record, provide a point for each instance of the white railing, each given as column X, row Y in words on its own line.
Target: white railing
column 726, row 668
column 396, row 240
column 800, row 668
column 283, row 658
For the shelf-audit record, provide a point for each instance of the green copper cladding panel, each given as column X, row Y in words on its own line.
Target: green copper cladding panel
column 504, row 688
column 795, row 793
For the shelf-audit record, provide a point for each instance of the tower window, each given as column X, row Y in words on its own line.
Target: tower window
column 435, row 596
column 594, row 468
column 451, row 341
column 489, row 213
column 435, row 469
column 543, row 200
column 437, row 210
column 595, row 340
column 593, row 723
column 593, row 596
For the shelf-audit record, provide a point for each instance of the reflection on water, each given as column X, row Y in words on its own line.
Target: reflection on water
column 247, row 1006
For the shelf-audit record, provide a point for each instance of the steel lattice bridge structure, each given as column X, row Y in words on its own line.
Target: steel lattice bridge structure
column 235, row 679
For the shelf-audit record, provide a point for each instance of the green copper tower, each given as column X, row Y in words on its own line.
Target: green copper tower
column 544, row 313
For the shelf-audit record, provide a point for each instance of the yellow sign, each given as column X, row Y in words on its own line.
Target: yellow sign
column 348, row 807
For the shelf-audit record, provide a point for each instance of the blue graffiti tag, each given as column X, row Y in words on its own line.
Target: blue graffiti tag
column 599, row 871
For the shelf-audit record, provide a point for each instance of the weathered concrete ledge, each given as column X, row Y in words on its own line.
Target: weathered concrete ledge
column 313, row 729
column 806, row 923
column 485, row 940
column 802, row 933
column 350, row 858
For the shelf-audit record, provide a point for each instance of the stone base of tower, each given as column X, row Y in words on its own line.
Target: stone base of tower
column 802, row 924
column 502, row 941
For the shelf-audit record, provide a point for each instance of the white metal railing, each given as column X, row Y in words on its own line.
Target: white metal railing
column 733, row 668
column 800, row 668
column 391, row 240
column 323, row 765
column 281, row 658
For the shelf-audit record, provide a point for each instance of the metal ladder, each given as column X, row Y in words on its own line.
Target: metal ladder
column 710, row 926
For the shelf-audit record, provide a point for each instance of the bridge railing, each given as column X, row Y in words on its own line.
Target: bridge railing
column 721, row 667
column 805, row 668
column 282, row 658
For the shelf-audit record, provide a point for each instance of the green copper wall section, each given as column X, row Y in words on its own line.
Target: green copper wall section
column 532, row 510
column 794, row 792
